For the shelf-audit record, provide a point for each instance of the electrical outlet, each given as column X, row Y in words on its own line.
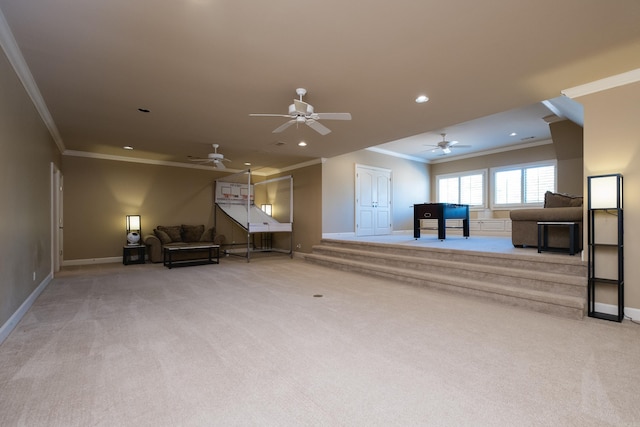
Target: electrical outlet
column 299, row 246
column 34, row 276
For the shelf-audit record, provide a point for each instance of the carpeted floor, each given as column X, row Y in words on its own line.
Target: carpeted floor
column 279, row 342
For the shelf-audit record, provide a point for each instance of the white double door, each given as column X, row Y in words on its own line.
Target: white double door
column 373, row 201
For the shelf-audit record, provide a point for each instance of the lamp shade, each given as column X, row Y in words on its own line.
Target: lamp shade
column 605, row 191
column 133, row 223
column 133, row 229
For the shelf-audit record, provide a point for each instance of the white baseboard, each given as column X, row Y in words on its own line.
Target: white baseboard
column 13, row 321
column 633, row 313
column 109, row 260
column 338, row 235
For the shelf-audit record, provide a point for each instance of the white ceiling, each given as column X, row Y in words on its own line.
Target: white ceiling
column 202, row 66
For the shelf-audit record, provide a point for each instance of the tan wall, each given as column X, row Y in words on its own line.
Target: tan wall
column 612, row 145
column 307, row 209
column 569, row 147
column 26, row 154
column 100, row 193
column 410, row 185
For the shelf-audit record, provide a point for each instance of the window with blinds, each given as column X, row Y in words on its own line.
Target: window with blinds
column 524, row 185
column 467, row 189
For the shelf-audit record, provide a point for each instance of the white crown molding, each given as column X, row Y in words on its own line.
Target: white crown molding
column 394, row 154
column 17, row 61
column 266, row 172
column 632, row 76
column 74, row 153
column 494, row 151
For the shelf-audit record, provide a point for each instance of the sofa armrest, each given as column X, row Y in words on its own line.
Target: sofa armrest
column 154, row 248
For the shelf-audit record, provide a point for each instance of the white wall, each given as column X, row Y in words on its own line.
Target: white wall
column 409, row 185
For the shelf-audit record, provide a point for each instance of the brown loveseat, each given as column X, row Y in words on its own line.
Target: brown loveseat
column 557, row 208
column 180, row 235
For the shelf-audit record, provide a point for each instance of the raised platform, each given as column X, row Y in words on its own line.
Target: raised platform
column 548, row 283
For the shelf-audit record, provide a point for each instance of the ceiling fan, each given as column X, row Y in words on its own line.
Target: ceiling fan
column 215, row 158
column 445, row 145
column 301, row 112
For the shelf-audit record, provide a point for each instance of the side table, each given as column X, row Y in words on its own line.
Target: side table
column 543, row 236
column 133, row 254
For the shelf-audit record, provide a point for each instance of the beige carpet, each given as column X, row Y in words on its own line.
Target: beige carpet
column 249, row 344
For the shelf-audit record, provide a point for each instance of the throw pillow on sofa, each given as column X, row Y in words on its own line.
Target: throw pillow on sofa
column 164, row 237
column 192, row 233
column 173, row 232
column 559, row 200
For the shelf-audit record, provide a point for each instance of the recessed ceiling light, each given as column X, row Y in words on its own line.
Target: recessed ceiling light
column 144, row 110
column 422, row 99
column 128, row 147
column 247, row 163
column 513, row 134
column 302, row 144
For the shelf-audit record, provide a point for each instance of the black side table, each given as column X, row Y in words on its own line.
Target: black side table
column 133, row 254
column 543, row 237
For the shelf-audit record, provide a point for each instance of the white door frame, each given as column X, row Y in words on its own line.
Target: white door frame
column 375, row 211
column 57, row 188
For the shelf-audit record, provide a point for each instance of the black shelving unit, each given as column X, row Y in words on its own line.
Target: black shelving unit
column 600, row 211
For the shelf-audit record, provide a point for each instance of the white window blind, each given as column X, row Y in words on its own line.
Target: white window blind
column 448, row 190
column 538, row 181
column 523, row 186
column 467, row 189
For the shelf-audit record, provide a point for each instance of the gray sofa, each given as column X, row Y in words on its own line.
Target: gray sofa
column 180, row 235
column 557, row 208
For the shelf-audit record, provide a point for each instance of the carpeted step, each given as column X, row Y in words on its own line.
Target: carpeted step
column 562, row 284
column 550, row 263
column 546, row 302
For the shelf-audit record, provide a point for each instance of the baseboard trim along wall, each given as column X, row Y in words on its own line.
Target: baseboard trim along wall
column 338, row 235
column 629, row 312
column 109, row 260
column 16, row 317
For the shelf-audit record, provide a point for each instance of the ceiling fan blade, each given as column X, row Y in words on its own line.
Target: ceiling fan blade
column 452, row 142
column 269, row 115
column 332, row 116
column 463, row 146
column 197, row 160
column 302, row 107
column 318, row 127
column 284, row 126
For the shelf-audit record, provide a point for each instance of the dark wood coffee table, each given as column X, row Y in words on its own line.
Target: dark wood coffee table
column 213, row 255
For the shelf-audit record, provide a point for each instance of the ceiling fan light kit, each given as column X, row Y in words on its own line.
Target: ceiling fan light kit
column 446, row 146
column 216, row 159
column 302, row 113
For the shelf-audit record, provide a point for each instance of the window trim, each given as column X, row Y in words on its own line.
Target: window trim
column 485, row 185
column 520, row 166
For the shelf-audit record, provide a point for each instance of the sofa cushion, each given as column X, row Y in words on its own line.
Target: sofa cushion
column 164, row 237
column 192, row 233
column 560, row 200
column 173, row 232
